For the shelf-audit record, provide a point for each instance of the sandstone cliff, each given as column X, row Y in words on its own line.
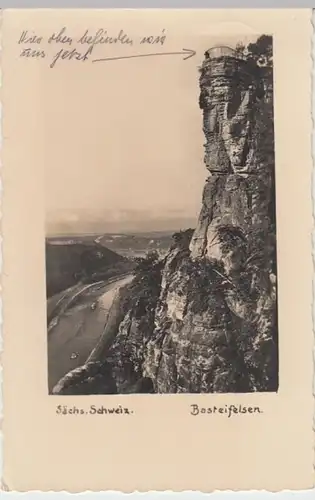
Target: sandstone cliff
column 205, row 318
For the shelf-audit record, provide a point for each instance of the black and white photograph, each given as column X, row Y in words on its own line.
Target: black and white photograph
column 157, row 250
column 161, row 235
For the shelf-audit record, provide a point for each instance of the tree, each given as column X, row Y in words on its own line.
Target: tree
column 183, row 237
column 240, row 49
column 147, row 263
column 261, row 51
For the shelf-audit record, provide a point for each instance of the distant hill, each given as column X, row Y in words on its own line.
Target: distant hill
column 134, row 244
column 69, row 262
column 128, row 245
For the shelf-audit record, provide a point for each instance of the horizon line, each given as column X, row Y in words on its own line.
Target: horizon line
column 93, row 233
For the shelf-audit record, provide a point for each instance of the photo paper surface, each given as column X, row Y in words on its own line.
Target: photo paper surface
column 175, row 309
column 157, row 323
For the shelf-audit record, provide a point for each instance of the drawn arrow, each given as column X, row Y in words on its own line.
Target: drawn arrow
column 187, row 52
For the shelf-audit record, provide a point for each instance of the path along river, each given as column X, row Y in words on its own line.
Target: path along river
column 75, row 330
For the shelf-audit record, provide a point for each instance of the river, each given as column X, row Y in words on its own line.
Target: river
column 75, row 332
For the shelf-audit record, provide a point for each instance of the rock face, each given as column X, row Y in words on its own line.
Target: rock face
column 205, row 319
column 216, row 326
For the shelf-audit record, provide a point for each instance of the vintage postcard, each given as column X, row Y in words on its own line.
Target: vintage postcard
column 157, row 258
